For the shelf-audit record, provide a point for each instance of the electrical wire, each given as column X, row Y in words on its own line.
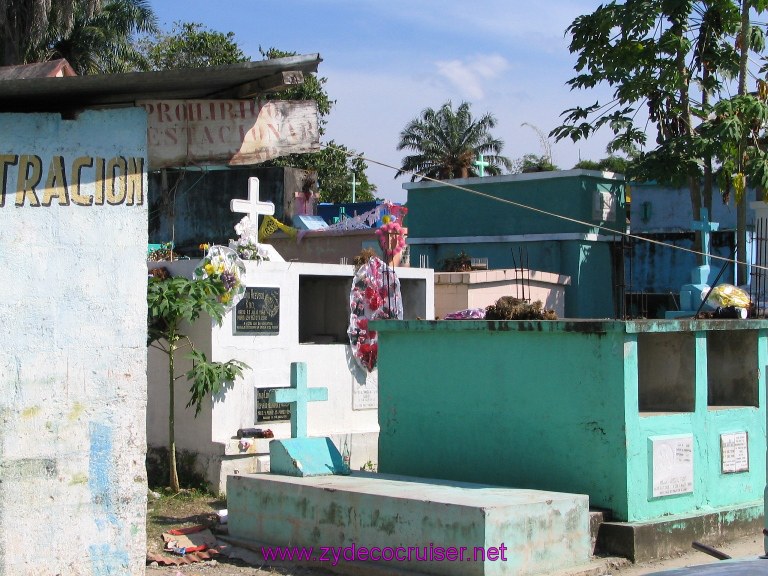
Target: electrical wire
column 592, row 225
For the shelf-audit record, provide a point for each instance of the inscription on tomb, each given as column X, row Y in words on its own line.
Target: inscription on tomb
column 365, row 396
column 672, row 460
column 258, row 313
column 734, row 452
column 267, row 411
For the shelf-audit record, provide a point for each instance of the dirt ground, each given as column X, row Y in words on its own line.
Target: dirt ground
column 191, row 509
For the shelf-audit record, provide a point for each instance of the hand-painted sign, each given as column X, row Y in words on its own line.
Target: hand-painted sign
column 82, row 181
column 181, row 132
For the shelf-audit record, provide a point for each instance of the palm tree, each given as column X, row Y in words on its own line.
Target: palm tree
column 447, row 143
column 24, row 25
column 101, row 42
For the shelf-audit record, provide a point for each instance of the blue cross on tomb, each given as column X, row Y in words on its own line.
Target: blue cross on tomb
column 705, row 226
column 299, row 395
column 481, row 164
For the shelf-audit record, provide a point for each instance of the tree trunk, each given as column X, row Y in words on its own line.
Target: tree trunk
column 174, row 475
column 741, row 203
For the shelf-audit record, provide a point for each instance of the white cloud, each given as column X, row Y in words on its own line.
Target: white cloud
column 470, row 75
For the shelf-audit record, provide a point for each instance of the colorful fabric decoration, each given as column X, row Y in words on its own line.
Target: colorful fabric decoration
column 729, row 295
column 391, row 238
column 469, row 314
column 270, row 225
column 375, row 295
column 224, row 264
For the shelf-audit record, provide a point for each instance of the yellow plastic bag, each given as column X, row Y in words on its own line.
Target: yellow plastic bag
column 728, row 295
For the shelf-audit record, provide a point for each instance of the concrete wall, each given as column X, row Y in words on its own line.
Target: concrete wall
column 313, row 324
column 658, row 208
column 456, row 291
column 559, row 406
column 192, row 206
column 444, row 220
column 73, row 327
column 325, row 247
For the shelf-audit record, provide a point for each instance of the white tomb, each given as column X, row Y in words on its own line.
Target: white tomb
column 311, row 327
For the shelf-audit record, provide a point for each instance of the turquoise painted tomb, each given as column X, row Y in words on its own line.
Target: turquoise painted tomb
column 654, row 420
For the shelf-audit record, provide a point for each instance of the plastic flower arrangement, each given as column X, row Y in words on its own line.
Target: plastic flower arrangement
column 222, row 263
column 375, row 295
column 391, row 237
column 247, row 245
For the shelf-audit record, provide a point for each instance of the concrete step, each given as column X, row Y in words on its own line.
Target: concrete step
column 671, row 535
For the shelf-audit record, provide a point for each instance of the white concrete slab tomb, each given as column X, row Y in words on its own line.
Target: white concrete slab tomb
column 411, row 524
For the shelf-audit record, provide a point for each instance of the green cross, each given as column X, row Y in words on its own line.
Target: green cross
column 298, row 395
column 481, row 164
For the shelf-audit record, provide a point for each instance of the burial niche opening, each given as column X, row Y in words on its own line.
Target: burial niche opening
column 732, row 373
column 323, row 309
column 666, row 377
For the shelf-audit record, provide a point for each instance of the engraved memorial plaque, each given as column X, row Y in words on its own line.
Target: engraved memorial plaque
column 267, row 411
column 672, row 460
column 734, row 452
column 258, row 313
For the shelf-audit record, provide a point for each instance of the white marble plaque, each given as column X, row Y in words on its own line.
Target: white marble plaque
column 672, row 465
column 366, row 396
column 604, row 207
column 734, row 452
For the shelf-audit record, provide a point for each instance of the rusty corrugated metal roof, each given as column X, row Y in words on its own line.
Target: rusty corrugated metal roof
column 110, row 90
column 52, row 69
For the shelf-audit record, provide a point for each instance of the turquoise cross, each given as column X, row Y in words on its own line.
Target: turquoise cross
column 706, row 227
column 481, row 164
column 298, row 395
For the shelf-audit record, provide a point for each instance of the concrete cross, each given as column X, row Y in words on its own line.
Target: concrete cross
column 481, row 164
column 705, row 226
column 298, row 395
column 253, row 207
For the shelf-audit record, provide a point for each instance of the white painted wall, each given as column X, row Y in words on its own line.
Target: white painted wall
column 72, row 363
column 212, row 434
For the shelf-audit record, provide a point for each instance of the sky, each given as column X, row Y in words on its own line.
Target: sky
column 385, row 61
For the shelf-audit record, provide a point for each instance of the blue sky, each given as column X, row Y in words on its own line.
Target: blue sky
column 386, row 61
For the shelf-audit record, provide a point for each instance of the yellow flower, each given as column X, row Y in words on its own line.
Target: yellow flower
column 208, row 269
column 225, row 298
column 386, row 219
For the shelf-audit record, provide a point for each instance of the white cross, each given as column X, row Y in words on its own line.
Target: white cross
column 253, row 207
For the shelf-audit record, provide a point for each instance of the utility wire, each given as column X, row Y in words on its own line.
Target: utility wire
column 545, row 212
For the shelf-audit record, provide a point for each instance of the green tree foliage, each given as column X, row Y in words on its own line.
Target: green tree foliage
column 313, row 88
column 446, row 142
column 95, row 36
column 675, row 60
column 612, row 163
column 335, row 163
column 191, row 45
column 101, row 42
column 26, row 24
column 532, row 163
column 170, row 303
